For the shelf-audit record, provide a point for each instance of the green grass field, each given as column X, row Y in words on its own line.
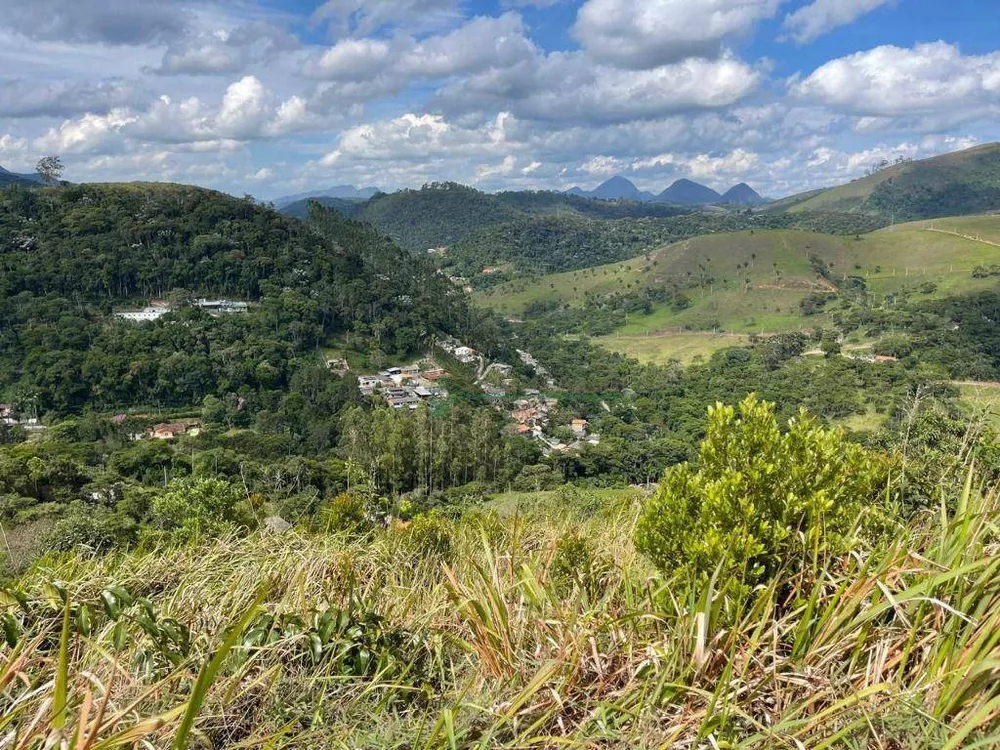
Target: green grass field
column 984, row 398
column 754, row 282
column 662, row 348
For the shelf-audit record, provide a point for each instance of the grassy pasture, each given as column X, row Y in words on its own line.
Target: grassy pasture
column 662, row 348
column 753, row 282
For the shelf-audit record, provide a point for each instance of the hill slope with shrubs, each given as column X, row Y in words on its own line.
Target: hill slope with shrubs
column 572, row 626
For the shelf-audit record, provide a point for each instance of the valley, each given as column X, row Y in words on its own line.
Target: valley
column 758, row 282
column 437, row 456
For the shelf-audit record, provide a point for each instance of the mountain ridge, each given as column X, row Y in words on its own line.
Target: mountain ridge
column 683, row 192
column 13, row 178
column 342, row 192
column 951, row 184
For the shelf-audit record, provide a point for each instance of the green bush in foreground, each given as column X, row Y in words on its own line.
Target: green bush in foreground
column 761, row 499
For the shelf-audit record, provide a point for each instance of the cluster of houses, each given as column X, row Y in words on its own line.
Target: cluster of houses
column 531, row 414
column 158, row 308
column 531, row 417
column 496, row 387
column 406, row 387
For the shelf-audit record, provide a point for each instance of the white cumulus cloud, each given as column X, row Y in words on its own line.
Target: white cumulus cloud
column 649, row 33
column 822, row 16
column 891, row 81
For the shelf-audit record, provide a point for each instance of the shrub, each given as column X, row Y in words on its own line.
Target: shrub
column 575, row 563
column 761, row 500
column 357, row 513
column 96, row 527
column 537, row 478
column 193, row 507
column 428, row 534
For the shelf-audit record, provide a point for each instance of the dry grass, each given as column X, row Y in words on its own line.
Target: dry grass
column 889, row 648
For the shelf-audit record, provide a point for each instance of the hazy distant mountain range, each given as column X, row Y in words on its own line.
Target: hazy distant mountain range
column 12, row 178
column 683, row 192
column 344, row 192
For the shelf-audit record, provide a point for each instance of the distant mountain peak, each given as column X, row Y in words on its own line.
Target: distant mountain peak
column 743, row 195
column 690, row 193
column 613, row 189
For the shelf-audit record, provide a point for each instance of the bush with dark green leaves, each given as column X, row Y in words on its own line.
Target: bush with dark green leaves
column 93, row 527
column 761, row 499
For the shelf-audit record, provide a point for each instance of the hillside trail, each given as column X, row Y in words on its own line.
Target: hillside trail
column 963, row 236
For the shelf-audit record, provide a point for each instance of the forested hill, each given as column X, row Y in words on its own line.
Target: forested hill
column 69, row 255
column 567, row 241
column 442, row 214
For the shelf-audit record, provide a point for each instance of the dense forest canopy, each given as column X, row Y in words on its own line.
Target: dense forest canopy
column 70, row 255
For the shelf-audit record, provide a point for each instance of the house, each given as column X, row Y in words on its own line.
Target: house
column 422, row 392
column 171, row 430
column 10, row 417
column 465, row 354
column 221, row 306
column 144, row 315
column 368, row 383
column 885, row 358
column 435, row 374
column 579, row 428
column 400, row 398
column 338, row 365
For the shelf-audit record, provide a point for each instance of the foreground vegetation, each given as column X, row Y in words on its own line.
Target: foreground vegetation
column 540, row 626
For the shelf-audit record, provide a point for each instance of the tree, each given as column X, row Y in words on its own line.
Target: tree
column 830, row 347
column 50, row 168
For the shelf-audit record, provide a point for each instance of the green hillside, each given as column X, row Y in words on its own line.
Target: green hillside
column 71, row 255
column 437, row 215
column 964, row 182
column 569, row 241
column 750, row 265
column 442, row 214
column 12, row 178
column 763, row 281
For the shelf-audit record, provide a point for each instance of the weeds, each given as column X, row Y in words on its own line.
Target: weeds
column 335, row 641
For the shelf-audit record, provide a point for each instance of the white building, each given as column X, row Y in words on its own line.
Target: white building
column 144, row 315
column 222, row 306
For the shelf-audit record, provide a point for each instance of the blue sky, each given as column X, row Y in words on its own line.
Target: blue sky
column 272, row 97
